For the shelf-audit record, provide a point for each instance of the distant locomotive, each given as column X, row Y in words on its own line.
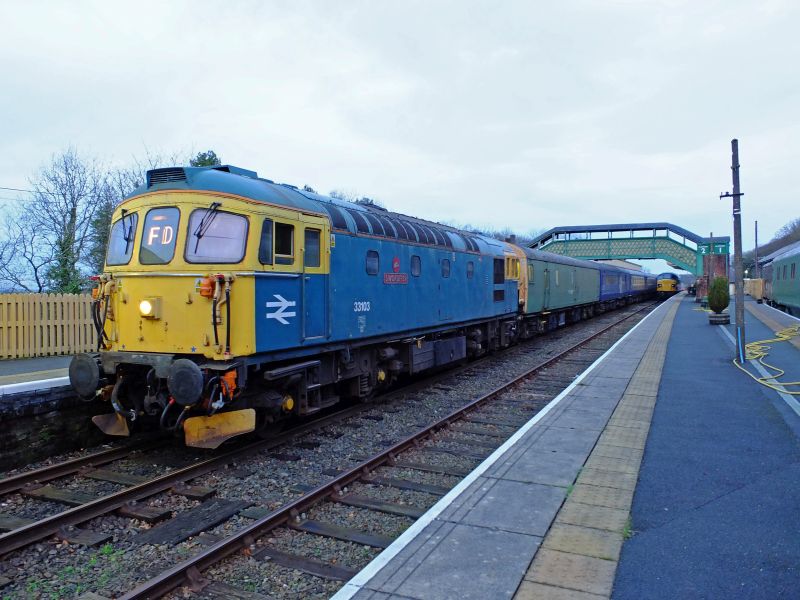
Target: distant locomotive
column 667, row 284
column 782, row 282
column 229, row 302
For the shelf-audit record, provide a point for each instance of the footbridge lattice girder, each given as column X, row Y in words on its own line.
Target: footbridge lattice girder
column 642, row 241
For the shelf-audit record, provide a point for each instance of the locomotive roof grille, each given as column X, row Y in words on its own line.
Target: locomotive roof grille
column 170, row 174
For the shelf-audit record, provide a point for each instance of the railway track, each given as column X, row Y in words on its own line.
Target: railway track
column 443, row 452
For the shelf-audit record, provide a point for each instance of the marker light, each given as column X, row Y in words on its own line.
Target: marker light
column 150, row 308
column 146, row 308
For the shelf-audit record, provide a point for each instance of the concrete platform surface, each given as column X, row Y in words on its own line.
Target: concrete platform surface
column 479, row 540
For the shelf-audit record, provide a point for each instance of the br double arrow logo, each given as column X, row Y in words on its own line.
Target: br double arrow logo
column 282, row 304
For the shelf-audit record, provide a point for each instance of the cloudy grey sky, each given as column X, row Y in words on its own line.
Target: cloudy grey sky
column 522, row 114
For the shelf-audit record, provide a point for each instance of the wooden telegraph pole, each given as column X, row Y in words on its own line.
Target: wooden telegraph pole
column 737, row 251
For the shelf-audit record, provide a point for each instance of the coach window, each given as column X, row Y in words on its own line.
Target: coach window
column 284, row 244
column 217, row 237
column 530, row 274
column 265, row 246
column 373, row 262
column 557, row 277
column 470, row 269
column 416, row 265
column 120, row 241
column 784, row 272
column 793, row 270
column 158, row 236
column 445, row 267
column 311, row 254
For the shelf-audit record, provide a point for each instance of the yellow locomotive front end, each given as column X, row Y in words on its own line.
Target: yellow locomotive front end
column 666, row 285
column 174, row 311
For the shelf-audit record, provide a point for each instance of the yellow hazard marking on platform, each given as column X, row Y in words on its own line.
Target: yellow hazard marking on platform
column 579, row 554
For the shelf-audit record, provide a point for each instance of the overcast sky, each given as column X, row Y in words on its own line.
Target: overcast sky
column 526, row 115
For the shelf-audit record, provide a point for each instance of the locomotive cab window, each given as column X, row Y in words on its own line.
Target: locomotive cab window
column 120, row 240
column 215, row 237
column 265, row 245
column 311, row 254
column 158, row 235
column 373, row 262
column 284, row 244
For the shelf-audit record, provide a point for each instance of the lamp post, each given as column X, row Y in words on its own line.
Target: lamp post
column 737, row 251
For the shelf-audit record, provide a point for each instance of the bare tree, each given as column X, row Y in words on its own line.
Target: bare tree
column 24, row 255
column 47, row 236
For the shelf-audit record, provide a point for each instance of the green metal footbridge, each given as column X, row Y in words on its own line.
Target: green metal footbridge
column 681, row 248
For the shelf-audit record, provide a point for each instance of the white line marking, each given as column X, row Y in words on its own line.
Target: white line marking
column 28, row 386
column 780, row 312
column 363, row 577
column 793, row 404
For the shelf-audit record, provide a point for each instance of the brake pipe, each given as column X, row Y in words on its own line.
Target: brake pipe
column 227, row 317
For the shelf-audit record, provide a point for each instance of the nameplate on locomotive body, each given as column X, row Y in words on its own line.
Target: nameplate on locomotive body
column 395, row 278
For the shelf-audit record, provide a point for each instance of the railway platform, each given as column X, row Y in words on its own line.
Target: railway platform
column 663, row 471
column 27, row 374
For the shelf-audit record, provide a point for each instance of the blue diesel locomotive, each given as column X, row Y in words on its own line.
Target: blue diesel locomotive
column 230, row 302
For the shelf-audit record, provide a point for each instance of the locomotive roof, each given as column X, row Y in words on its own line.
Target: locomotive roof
column 228, row 179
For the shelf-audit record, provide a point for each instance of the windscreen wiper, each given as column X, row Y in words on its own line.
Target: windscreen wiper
column 127, row 232
column 205, row 222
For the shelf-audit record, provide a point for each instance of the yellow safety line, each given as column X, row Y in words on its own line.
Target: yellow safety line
column 760, row 349
column 33, row 376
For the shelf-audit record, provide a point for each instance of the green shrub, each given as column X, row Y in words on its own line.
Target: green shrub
column 718, row 296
